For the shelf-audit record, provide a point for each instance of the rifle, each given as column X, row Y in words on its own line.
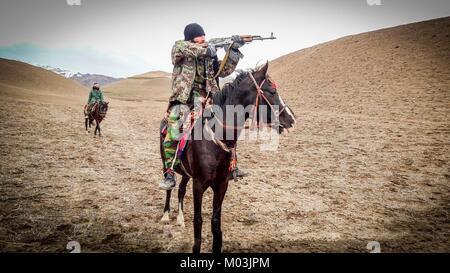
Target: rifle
column 222, row 42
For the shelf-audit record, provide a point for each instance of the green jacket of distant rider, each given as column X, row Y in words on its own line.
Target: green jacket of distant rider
column 95, row 95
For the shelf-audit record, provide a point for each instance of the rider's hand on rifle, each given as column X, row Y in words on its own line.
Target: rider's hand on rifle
column 237, row 41
column 211, row 51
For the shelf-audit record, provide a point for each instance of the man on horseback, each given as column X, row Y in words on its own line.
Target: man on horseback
column 195, row 76
column 95, row 96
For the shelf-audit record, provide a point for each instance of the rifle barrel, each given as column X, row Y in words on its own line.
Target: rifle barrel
column 265, row 38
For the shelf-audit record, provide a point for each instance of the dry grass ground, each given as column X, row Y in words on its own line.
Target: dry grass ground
column 369, row 160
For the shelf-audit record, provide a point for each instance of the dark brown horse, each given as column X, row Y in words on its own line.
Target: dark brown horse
column 207, row 161
column 98, row 113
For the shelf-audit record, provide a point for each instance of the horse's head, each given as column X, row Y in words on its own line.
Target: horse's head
column 260, row 90
column 103, row 108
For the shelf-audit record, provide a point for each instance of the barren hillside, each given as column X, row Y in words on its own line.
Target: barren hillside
column 151, row 86
column 369, row 159
column 23, row 81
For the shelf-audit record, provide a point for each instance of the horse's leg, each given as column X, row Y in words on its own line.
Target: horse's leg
column 96, row 127
column 165, row 217
column 86, row 121
column 181, row 193
column 99, row 129
column 219, row 194
column 198, row 196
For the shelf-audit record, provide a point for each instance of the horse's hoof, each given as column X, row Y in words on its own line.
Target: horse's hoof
column 180, row 217
column 180, row 220
column 165, row 218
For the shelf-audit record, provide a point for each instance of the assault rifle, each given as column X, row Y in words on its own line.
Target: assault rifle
column 223, row 42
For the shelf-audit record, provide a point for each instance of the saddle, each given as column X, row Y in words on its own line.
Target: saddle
column 185, row 137
column 89, row 108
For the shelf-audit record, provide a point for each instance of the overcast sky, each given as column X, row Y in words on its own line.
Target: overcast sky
column 127, row 37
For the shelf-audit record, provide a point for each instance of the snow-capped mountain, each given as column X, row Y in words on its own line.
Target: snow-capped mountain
column 89, row 79
column 65, row 73
column 84, row 79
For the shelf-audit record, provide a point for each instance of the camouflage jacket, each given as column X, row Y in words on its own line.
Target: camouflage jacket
column 186, row 57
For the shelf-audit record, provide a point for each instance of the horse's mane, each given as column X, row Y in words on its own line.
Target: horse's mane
column 220, row 97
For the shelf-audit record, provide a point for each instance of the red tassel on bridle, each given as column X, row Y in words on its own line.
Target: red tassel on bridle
column 274, row 85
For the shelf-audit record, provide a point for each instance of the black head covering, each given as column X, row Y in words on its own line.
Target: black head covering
column 193, row 30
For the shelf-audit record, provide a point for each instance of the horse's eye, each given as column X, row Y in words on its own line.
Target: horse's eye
column 273, row 84
column 271, row 92
column 271, row 89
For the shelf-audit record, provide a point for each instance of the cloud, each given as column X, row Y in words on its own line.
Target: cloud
column 82, row 59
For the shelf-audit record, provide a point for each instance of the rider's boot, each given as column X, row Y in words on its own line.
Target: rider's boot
column 236, row 174
column 169, row 180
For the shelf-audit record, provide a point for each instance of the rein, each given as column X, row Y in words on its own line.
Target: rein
column 259, row 96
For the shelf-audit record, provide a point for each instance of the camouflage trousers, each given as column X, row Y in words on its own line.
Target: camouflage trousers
column 177, row 121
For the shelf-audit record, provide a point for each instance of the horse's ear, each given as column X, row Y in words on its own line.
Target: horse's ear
column 262, row 72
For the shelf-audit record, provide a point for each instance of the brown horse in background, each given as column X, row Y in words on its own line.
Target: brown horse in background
column 208, row 163
column 98, row 113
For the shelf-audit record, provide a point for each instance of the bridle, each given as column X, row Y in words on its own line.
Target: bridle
column 259, row 96
column 102, row 109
